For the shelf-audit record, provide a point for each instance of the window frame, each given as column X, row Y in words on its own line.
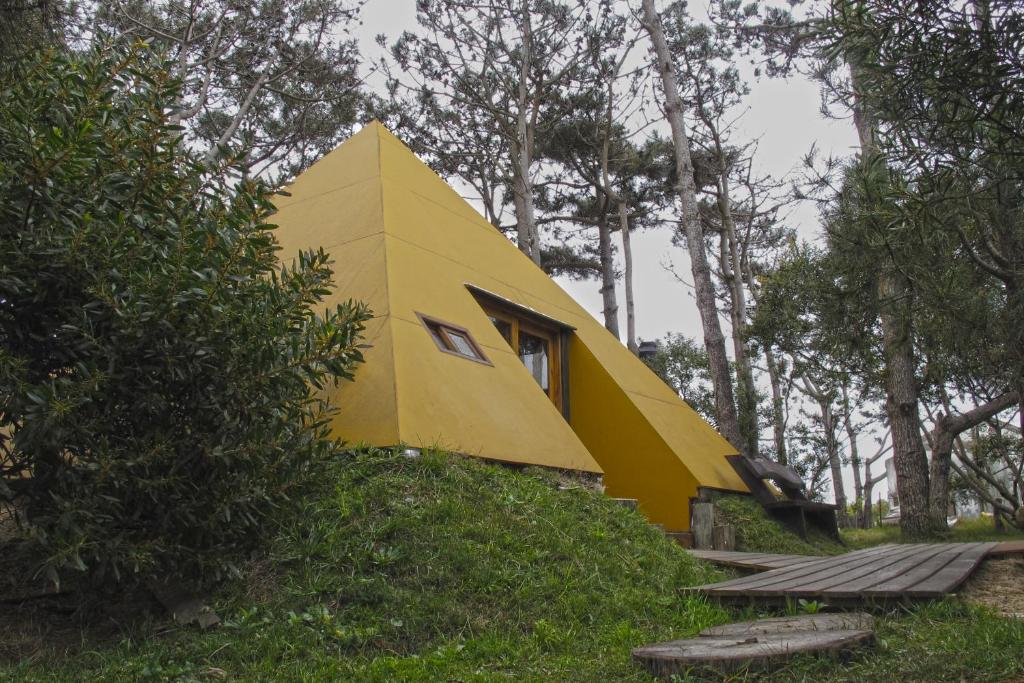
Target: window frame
column 436, row 327
column 520, row 320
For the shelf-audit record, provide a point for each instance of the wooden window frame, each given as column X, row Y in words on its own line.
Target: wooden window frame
column 430, row 323
column 518, row 321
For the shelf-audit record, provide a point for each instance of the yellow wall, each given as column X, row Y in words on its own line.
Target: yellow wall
column 636, row 460
column 405, row 242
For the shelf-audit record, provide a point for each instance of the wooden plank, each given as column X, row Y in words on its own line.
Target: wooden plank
column 853, row 587
column 896, row 586
column 851, row 621
column 921, row 570
column 783, row 583
column 723, row 537
column 954, row 573
column 823, row 580
column 1008, row 548
column 730, row 556
column 762, row 561
column 784, row 562
column 729, row 654
column 775, row 572
column 792, row 574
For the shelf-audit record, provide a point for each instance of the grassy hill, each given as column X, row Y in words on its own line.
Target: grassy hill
column 441, row 568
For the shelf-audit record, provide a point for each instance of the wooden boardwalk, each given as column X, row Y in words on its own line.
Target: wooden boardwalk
column 887, row 572
column 756, row 561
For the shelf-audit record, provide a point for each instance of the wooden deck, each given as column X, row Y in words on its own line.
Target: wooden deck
column 887, row 572
column 755, row 561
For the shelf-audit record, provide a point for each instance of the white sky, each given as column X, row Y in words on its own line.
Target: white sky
column 784, row 116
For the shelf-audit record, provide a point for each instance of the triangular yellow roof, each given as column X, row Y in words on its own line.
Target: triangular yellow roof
column 406, row 244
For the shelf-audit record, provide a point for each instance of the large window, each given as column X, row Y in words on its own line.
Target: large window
column 538, row 345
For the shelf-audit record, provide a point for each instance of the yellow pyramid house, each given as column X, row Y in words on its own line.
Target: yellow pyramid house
column 476, row 350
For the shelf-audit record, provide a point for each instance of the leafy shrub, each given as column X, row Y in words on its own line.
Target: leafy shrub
column 158, row 374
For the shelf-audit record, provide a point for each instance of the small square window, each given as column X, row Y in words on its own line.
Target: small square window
column 454, row 339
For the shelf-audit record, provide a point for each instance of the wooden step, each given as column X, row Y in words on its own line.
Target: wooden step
column 758, row 645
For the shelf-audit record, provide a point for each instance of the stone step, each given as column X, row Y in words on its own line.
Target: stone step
column 630, row 503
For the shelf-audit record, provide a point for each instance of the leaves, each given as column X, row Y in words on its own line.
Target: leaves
column 157, row 370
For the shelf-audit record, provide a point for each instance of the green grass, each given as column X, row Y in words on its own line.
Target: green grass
column 436, row 568
column 447, row 569
column 759, row 533
column 966, row 530
column 939, row 641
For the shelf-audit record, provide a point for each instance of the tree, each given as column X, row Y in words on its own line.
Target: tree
column 951, row 123
column 480, row 85
column 869, row 212
column 686, row 190
column 26, row 25
column 602, row 178
column 588, row 144
column 989, row 467
column 683, row 364
column 276, row 78
column 158, row 373
column 713, row 90
column 864, row 480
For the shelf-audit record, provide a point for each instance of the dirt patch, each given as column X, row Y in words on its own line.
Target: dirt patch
column 38, row 621
column 998, row 583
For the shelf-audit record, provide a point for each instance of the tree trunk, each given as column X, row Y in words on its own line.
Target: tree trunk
column 610, row 304
column 828, row 425
column 627, row 278
column 866, row 519
column 778, row 407
column 714, row 341
column 946, row 429
column 851, row 435
column 901, row 402
column 527, row 236
column 901, row 399
column 778, row 400
column 603, row 201
column 835, row 463
column 746, row 392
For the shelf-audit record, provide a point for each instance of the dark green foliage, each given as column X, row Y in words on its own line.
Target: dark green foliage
column 943, row 81
column 683, row 364
column 155, row 367
column 29, row 24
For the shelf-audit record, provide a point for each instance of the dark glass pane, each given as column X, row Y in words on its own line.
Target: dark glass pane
column 533, row 351
column 504, row 328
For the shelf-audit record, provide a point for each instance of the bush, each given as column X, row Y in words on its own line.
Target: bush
column 158, row 374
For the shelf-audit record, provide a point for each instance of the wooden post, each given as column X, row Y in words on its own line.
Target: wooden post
column 702, row 523
column 723, row 537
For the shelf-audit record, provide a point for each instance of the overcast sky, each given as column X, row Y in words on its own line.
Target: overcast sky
column 783, row 115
